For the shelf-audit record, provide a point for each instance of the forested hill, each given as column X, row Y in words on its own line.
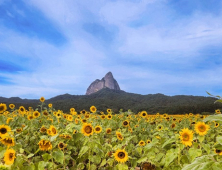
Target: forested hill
column 116, row 100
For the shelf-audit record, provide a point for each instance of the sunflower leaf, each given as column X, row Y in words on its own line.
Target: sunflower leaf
column 83, row 150
column 58, row 156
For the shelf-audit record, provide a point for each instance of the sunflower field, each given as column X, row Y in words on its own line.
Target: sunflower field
column 47, row 139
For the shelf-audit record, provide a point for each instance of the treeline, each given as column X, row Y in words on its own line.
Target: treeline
column 116, row 100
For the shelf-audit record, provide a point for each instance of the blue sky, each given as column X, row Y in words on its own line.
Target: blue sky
column 48, row 48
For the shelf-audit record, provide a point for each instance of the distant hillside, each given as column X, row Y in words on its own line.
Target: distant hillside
column 117, row 99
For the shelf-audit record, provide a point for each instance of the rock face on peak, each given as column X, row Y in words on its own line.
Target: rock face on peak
column 107, row 81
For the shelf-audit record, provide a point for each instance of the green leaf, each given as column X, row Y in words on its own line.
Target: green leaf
column 103, row 162
column 217, row 118
column 30, row 155
column 201, row 138
column 53, row 137
column 143, row 159
column 219, row 139
column 58, row 156
column 168, row 142
column 122, row 167
column 83, row 150
column 80, row 166
column 194, row 153
column 170, row 156
column 30, row 167
column 46, row 157
column 21, row 150
column 42, row 165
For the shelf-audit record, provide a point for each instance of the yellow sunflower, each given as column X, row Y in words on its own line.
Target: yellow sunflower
column 62, row 146
column 11, row 106
column 148, row 141
column 109, row 116
column 148, row 166
column 173, row 125
column 4, row 129
column 45, row 113
column 218, row 111
column 8, row 141
column 108, row 130
column 3, row 107
column 18, row 130
column 9, row 120
column 9, row 156
column 72, row 109
column 52, row 131
column 103, row 116
column 217, row 151
column 201, row 128
column 109, row 111
column 43, row 129
column 121, row 156
column 160, row 127
column 142, row 143
column 69, row 118
column 143, row 114
column 45, row 145
column 30, row 117
column 42, row 99
column 216, row 124
column 36, row 114
column 125, row 123
column 50, row 105
column 87, row 129
column 93, row 109
column 98, row 129
column 22, row 110
column 119, row 135
column 186, row 136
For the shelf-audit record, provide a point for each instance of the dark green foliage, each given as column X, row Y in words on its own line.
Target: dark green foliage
column 116, row 100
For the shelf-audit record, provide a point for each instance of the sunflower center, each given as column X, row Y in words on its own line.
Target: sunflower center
column 54, row 130
column 88, row 129
column 218, row 151
column 125, row 123
column 186, row 137
column 11, row 156
column 98, row 129
column 121, row 155
column 3, row 130
column 61, row 145
column 22, row 109
column 108, row 131
column 202, row 128
column 8, row 141
column 1, row 108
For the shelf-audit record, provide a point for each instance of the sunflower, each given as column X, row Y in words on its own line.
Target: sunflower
column 201, row 128
column 160, row 127
column 18, row 130
column 143, row 114
column 130, row 129
column 217, row 151
column 61, row 146
column 4, row 129
column 76, row 121
column 121, row 156
column 52, row 131
column 148, row 166
column 83, row 112
column 125, row 123
column 148, row 141
column 30, row 117
column 216, row 124
column 42, row 99
column 87, row 129
column 43, row 129
column 9, row 156
column 72, row 109
column 109, row 116
column 186, row 136
column 70, row 118
column 21, row 110
column 45, row 145
column 9, row 120
column 174, row 119
column 84, row 120
column 11, row 106
column 93, row 109
column 45, row 113
column 75, row 131
column 36, row 114
column 108, row 130
column 103, row 116
column 67, row 136
column 173, row 125
column 58, row 115
column 50, row 105
column 98, row 129
column 109, row 111
column 119, row 135
column 8, row 141
column 142, row 143
column 87, row 116
column 218, row 111
column 3, row 107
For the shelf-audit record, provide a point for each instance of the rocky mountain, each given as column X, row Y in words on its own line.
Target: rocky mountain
column 106, row 82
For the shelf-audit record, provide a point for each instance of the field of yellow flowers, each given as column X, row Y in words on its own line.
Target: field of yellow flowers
column 48, row 139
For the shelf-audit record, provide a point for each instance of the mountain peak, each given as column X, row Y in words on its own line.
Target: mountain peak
column 107, row 81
